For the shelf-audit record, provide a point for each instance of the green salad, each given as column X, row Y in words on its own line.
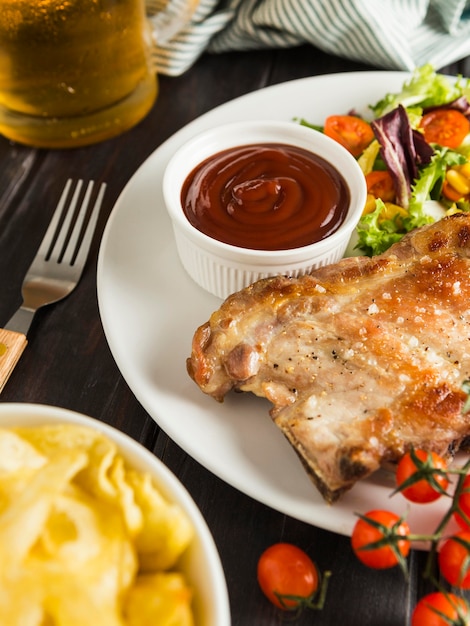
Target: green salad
column 414, row 151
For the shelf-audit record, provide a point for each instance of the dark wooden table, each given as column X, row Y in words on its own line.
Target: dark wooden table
column 68, row 362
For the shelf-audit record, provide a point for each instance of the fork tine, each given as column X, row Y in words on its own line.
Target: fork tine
column 70, row 250
column 80, row 254
column 58, row 249
column 51, row 232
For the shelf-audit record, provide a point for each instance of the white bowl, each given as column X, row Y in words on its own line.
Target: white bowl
column 222, row 268
column 200, row 563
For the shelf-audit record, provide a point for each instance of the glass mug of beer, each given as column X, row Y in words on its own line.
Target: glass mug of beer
column 75, row 72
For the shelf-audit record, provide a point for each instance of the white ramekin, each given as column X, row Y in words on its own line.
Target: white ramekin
column 221, row 268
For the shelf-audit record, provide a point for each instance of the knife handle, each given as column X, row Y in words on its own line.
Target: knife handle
column 12, row 345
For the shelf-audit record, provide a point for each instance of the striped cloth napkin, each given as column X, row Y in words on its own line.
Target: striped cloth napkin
column 392, row 34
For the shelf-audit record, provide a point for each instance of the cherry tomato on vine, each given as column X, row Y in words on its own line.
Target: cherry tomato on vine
column 464, row 504
column 380, row 185
column 447, row 127
column 364, row 534
column 287, row 576
column 352, row 132
column 423, row 490
column 440, row 609
column 454, row 560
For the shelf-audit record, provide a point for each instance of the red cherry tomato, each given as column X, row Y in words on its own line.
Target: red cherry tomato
column 423, row 490
column 364, row 534
column 352, row 132
column 454, row 560
column 380, row 185
column 287, row 576
column 464, row 504
column 447, row 127
column 440, row 609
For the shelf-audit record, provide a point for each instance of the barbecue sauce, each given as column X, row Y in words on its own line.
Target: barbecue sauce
column 266, row 197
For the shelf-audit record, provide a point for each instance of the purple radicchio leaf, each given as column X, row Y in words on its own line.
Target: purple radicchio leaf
column 423, row 150
column 402, row 150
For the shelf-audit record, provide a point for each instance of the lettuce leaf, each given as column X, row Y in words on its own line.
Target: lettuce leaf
column 428, row 186
column 376, row 235
column 426, row 88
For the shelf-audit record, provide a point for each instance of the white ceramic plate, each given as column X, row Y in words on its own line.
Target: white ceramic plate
column 150, row 309
column 200, row 563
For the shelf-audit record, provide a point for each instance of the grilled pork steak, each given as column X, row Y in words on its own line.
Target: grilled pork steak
column 361, row 359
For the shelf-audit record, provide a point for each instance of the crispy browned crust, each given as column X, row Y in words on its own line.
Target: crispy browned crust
column 361, row 359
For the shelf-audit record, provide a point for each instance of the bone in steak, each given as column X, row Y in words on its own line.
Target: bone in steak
column 361, row 359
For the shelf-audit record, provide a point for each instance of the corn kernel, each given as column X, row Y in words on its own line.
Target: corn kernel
column 458, row 182
column 392, row 211
column 453, row 210
column 370, row 204
column 465, row 169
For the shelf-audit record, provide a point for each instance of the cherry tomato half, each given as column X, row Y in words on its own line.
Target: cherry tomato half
column 422, row 490
column 352, row 132
column 447, row 127
column 454, row 559
column 380, row 185
column 287, row 576
column 464, row 504
column 427, row 611
column 365, row 534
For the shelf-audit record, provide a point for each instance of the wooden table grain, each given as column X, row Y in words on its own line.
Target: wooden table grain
column 68, row 363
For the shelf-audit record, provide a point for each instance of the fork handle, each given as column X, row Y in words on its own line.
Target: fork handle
column 21, row 320
column 12, row 345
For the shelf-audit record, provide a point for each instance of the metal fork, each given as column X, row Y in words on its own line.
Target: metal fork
column 55, row 270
